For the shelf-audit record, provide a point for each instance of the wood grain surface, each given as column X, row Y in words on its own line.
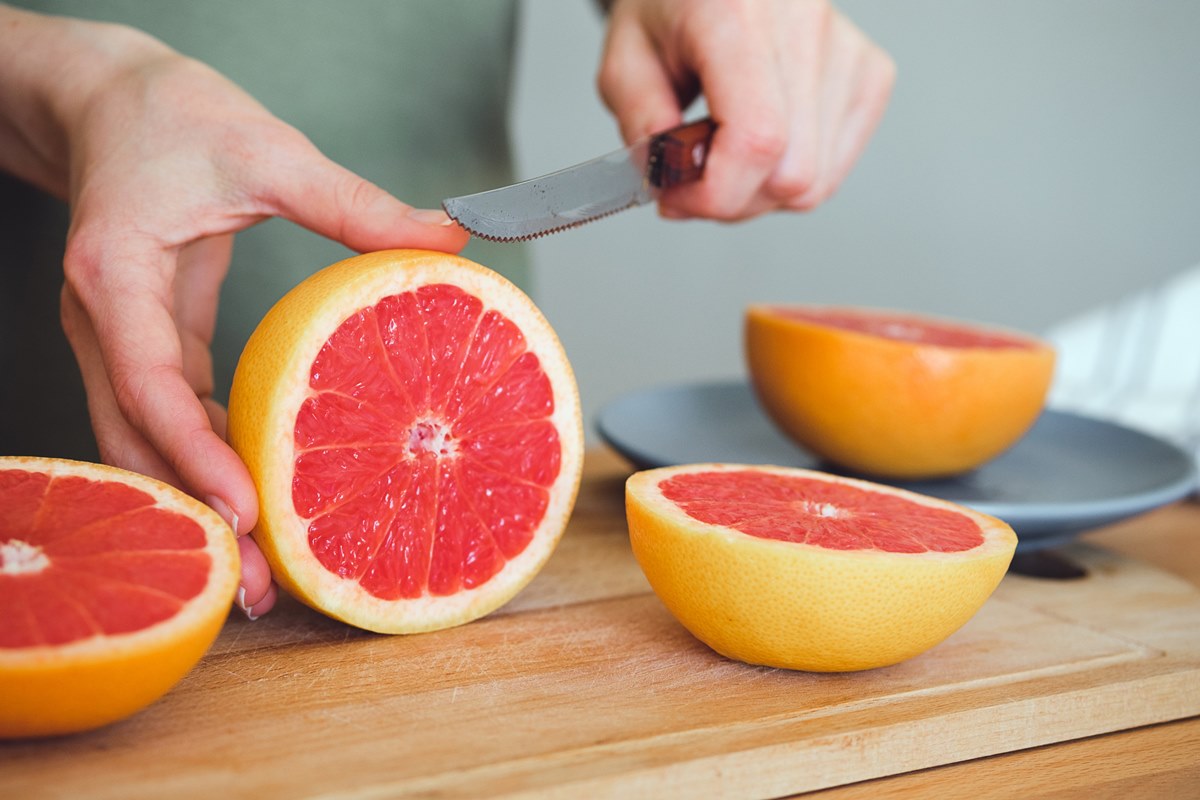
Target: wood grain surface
column 584, row 686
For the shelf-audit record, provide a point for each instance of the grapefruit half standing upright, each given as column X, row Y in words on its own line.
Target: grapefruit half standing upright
column 895, row 395
column 804, row 570
column 112, row 587
column 413, row 427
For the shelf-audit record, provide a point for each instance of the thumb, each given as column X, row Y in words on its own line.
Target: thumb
column 331, row 200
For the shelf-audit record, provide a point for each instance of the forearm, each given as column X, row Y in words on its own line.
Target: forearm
column 51, row 68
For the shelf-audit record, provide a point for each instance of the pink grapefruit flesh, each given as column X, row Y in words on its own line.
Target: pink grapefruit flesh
column 836, row 516
column 425, row 452
column 80, row 558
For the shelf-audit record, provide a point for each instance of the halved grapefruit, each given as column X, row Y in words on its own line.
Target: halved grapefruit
column 895, row 395
column 413, row 427
column 112, row 587
column 804, row 570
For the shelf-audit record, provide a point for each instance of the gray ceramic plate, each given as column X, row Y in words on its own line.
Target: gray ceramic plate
column 1068, row 474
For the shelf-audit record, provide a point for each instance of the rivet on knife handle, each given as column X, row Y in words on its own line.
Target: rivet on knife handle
column 678, row 155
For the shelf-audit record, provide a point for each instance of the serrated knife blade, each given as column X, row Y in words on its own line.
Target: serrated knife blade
column 629, row 177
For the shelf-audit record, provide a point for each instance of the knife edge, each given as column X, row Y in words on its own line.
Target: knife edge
column 481, row 228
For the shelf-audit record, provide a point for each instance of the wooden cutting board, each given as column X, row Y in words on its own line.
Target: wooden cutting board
column 584, row 686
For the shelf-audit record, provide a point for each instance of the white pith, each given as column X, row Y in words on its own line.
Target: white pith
column 431, row 435
column 828, row 510
column 21, row 558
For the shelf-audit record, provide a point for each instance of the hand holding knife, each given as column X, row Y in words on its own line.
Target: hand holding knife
column 629, row 177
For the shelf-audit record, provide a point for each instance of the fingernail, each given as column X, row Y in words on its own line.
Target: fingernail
column 240, row 602
column 221, row 507
column 430, row 216
column 673, row 213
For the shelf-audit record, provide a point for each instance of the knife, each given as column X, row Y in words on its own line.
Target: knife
column 625, row 178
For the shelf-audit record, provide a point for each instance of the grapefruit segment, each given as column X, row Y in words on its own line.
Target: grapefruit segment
column 413, row 427
column 891, row 394
column 804, row 570
column 112, row 586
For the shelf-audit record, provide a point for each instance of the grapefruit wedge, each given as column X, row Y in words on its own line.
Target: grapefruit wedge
column 413, row 427
column 895, row 395
column 803, row 570
column 112, row 587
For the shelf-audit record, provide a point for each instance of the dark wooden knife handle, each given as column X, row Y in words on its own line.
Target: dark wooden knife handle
column 678, row 155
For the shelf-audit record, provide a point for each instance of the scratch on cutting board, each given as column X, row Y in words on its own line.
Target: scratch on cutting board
column 236, row 674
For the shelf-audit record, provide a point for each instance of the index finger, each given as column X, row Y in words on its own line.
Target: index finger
column 300, row 184
column 126, row 294
column 739, row 76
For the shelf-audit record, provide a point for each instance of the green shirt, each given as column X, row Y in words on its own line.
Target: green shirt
column 410, row 94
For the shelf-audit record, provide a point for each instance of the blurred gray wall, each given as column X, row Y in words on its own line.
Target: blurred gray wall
column 1038, row 159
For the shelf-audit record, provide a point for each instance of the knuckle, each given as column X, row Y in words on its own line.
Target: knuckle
column 814, row 19
column 68, row 316
column 822, row 13
column 763, row 141
column 887, row 65
column 249, row 171
column 885, row 74
column 352, row 197
column 81, row 261
column 607, row 81
column 103, row 264
column 810, row 199
column 724, row 214
column 722, row 209
column 129, row 386
column 127, row 391
column 197, row 364
column 794, row 180
column 806, row 202
column 357, row 194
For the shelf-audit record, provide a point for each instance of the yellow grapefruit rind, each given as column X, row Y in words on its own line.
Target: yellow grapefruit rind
column 804, row 607
column 893, row 408
column 271, row 382
column 53, row 690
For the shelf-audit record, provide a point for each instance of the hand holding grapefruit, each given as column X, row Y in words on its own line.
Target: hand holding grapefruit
column 112, row 586
column 803, row 570
column 413, row 428
column 895, row 395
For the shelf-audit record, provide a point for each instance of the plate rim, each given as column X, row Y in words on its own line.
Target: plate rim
column 1067, row 512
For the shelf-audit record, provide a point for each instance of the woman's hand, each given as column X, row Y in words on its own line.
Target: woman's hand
column 162, row 161
column 796, row 88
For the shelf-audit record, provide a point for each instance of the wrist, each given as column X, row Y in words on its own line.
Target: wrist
column 52, row 69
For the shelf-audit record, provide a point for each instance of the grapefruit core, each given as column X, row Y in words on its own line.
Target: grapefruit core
column 895, row 395
column 803, row 570
column 413, row 427
column 112, row 587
